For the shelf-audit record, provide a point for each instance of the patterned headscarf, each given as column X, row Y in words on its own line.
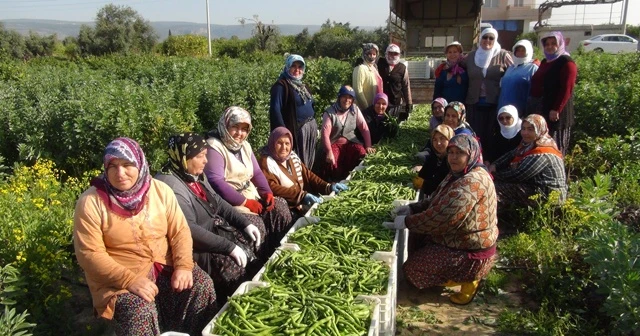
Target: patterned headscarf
column 469, row 145
column 440, row 100
column 129, row 150
column 367, row 47
column 183, row 147
column 483, row 57
column 561, row 46
column 446, row 131
column 460, row 109
column 454, row 67
column 528, row 47
column 392, row 59
column 543, row 139
column 509, row 131
column 232, row 116
column 296, row 83
column 276, row 134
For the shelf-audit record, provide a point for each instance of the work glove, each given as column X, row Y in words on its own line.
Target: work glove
column 253, row 206
column 397, row 224
column 270, row 202
column 310, row 199
column 239, row 256
column 338, row 187
column 253, row 233
column 402, row 210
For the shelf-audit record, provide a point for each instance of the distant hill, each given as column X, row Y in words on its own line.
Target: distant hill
column 71, row 28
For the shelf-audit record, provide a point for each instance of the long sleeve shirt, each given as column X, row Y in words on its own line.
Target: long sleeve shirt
column 365, row 80
column 567, row 80
column 515, row 86
column 327, row 127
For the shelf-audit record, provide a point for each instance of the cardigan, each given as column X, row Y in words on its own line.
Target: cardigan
column 495, row 71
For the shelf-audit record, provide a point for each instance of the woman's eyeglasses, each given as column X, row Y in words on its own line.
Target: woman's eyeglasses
column 487, row 37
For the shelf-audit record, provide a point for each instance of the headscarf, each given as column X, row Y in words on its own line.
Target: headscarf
column 454, row 67
column 345, row 90
column 183, row 147
column 233, row 115
column 469, row 145
column 460, row 109
column 442, row 102
column 510, row 131
column 367, row 47
column 296, row 83
column 561, row 46
column 392, row 60
column 483, row 57
column 446, row 131
column 544, row 143
column 379, row 96
column 276, row 134
column 529, row 50
column 129, row 150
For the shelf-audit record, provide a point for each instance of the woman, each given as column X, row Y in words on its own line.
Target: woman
column 454, row 117
column 452, row 81
column 516, row 83
column 289, row 178
column 234, row 173
column 291, row 106
column 534, row 167
column 437, row 112
column 552, row 89
column 485, row 66
column 508, row 137
column 435, row 166
column 365, row 78
column 134, row 245
column 378, row 121
column 459, row 223
column 341, row 146
column 395, row 81
column 224, row 242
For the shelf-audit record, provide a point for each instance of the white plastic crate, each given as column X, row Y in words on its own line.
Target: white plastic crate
column 388, row 301
column 247, row 286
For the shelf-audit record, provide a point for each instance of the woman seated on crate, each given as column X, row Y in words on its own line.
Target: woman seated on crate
column 379, row 123
column 435, row 167
column 224, row 242
column 459, row 225
column 288, row 176
column 342, row 148
column 534, row 167
column 234, row 173
column 134, row 245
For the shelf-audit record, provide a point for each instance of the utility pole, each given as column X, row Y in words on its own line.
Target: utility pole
column 208, row 30
column 624, row 17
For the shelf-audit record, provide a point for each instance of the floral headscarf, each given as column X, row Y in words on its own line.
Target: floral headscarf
column 509, row 131
column 483, row 57
column 446, row 131
column 454, row 66
column 543, row 139
column 276, row 134
column 232, row 116
column 296, row 83
column 469, row 145
column 183, row 147
column 561, row 45
column 460, row 109
column 367, row 47
column 528, row 47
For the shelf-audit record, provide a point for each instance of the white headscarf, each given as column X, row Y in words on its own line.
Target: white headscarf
column 510, row 131
column 529, row 50
column 483, row 57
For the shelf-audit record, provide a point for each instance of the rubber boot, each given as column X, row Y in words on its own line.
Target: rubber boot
column 451, row 284
column 468, row 291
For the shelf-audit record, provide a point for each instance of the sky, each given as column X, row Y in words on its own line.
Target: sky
column 357, row 12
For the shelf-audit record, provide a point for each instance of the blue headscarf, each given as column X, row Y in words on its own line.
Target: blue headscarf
column 296, row 83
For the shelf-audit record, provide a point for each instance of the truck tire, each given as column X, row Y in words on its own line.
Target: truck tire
column 598, row 50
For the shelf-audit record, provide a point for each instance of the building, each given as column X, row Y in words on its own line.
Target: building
column 511, row 18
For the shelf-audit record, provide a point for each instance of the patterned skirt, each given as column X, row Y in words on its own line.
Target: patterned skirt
column 434, row 264
column 275, row 223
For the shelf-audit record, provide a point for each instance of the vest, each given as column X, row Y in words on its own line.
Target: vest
column 392, row 81
column 346, row 130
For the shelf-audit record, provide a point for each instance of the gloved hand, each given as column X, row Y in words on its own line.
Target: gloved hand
column 239, row 256
column 310, row 199
column 253, row 206
column 253, row 233
column 338, row 187
column 269, row 201
column 397, row 224
column 402, row 210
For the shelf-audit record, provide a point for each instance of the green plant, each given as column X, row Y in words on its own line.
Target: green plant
column 546, row 321
column 11, row 323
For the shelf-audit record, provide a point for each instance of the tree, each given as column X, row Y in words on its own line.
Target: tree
column 265, row 36
column 37, row 45
column 11, row 44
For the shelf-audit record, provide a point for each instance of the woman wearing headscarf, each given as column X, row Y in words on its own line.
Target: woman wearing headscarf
column 134, row 245
column 437, row 118
column 552, row 89
column 289, row 177
column 395, row 81
column 455, row 117
column 485, row 66
column 234, row 173
column 508, row 136
column 459, row 223
column 225, row 243
column 291, row 106
column 365, row 78
column 342, row 148
column 452, row 81
column 534, row 167
column 378, row 121
column 435, row 167
column 516, row 83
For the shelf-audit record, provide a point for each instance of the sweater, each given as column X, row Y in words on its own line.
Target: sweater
column 491, row 82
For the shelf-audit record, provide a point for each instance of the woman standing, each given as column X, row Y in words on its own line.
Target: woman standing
column 459, row 223
column 291, row 106
column 516, row 83
column 365, row 78
column 485, row 66
column 552, row 89
column 452, row 81
column 134, row 245
column 395, row 79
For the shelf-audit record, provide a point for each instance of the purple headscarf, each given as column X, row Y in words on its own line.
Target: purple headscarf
column 561, row 45
column 276, row 134
column 381, row 95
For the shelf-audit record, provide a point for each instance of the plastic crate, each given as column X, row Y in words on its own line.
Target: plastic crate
column 247, row 286
column 389, row 300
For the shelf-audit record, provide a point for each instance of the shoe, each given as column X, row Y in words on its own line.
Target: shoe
column 451, row 284
column 468, row 291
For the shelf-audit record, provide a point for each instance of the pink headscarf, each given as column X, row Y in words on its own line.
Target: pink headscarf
column 561, row 45
column 276, row 134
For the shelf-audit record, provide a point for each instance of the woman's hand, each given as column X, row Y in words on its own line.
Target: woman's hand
column 310, row 199
column 554, row 115
column 397, row 224
column 253, row 233
column 338, row 187
column 330, row 159
column 371, row 150
column 144, row 288
column 239, row 256
column 253, row 206
column 270, row 201
column 402, row 210
column 181, row 280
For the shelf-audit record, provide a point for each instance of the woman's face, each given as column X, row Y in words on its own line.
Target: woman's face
column 371, row 54
column 488, row 40
column 296, row 70
column 195, row 165
column 437, row 110
column 439, row 142
column 528, row 132
column 550, row 45
column 283, row 147
column 457, row 158
column 380, row 106
column 505, row 119
column 520, row 51
column 451, row 118
column 345, row 102
column 239, row 132
column 453, row 54
column 122, row 174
